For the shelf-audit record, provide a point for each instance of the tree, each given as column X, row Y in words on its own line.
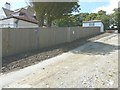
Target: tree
column 101, row 15
column 69, row 21
column 66, row 21
column 115, row 18
column 118, row 20
column 106, row 21
column 101, row 12
column 40, row 16
column 50, row 11
column 57, row 11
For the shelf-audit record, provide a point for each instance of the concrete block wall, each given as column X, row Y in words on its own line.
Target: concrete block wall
column 18, row 40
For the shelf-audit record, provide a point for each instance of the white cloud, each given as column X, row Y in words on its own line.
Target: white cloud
column 109, row 8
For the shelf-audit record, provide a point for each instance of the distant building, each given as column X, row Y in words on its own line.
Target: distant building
column 19, row 18
column 94, row 23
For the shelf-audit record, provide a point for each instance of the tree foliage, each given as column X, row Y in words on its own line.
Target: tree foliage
column 118, row 15
column 73, row 20
column 49, row 11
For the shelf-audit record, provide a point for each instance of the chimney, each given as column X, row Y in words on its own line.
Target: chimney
column 7, row 5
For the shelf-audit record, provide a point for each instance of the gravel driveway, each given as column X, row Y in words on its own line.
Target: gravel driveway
column 92, row 65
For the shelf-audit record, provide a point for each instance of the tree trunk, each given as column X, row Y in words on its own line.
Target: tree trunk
column 41, row 19
column 41, row 22
column 49, row 21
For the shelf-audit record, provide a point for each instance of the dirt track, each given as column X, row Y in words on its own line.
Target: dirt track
column 92, row 65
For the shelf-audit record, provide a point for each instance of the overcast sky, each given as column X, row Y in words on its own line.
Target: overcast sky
column 86, row 5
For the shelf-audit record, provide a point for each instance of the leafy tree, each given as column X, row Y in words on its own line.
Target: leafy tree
column 69, row 21
column 66, row 21
column 118, row 20
column 105, row 19
column 83, row 16
column 76, row 20
column 101, row 12
column 50, row 11
column 39, row 7
column 114, row 16
column 101, row 15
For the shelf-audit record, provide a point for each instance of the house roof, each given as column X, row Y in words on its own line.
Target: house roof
column 24, row 15
column 7, row 12
column 24, row 18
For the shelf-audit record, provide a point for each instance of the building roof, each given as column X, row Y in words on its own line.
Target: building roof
column 24, row 15
column 24, row 18
column 7, row 12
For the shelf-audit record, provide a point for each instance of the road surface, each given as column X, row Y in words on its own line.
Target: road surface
column 92, row 65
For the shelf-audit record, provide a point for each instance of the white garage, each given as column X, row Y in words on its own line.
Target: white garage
column 94, row 23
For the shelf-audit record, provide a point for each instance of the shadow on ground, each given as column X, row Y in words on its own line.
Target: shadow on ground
column 95, row 48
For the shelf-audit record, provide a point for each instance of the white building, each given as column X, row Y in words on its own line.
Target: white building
column 19, row 18
column 94, row 23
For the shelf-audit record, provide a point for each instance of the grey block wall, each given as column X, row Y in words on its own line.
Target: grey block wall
column 15, row 41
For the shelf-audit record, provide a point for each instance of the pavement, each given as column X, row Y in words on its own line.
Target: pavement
column 92, row 65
